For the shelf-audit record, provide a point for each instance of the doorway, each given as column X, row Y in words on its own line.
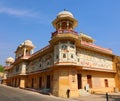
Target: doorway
column 32, row 85
column 89, row 80
column 48, row 81
column 79, row 81
column 40, row 82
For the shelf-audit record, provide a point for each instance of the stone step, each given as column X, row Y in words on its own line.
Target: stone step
column 83, row 92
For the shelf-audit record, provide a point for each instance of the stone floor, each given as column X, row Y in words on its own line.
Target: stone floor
column 98, row 97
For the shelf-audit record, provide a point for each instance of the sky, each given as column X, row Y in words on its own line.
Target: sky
column 21, row 20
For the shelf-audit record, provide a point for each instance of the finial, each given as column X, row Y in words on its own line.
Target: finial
column 65, row 10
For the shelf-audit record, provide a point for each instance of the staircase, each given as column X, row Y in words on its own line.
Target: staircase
column 83, row 92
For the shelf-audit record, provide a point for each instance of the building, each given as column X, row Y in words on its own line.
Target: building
column 68, row 67
column 117, row 61
column 1, row 76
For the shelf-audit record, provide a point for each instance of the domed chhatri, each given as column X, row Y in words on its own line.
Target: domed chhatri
column 28, row 43
column 65, row 21
column 65, row 14
column 9, row 60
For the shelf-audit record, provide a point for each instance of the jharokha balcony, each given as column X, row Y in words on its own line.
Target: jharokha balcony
column 64, row 31
column 95, row 47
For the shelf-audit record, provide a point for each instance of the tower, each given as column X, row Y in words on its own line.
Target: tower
column 24, row 49
column 65, row 21
column 64, row 38
column 9, row 61
column 64, row 41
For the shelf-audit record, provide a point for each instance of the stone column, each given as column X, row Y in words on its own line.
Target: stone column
column 32, row 51
column 24, row 54
column 67, row 24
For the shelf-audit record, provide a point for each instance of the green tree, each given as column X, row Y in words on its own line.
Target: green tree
column 1, row 68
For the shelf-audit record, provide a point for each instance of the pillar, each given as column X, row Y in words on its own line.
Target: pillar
column 24, row 52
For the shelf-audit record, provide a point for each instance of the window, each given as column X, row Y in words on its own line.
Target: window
column 64, row 55
column 72, row 56
column 89, row 80
column 48, row 63
column 72, row 46
column 57, row 56
column 40, row 65
column 17, row 68
column 106, row 82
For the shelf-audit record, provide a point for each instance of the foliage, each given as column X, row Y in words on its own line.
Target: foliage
column 1, row 68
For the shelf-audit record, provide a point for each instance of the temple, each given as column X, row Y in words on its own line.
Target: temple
column 71, row 65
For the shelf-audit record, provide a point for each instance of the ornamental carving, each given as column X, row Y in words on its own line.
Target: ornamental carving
column 92, row 59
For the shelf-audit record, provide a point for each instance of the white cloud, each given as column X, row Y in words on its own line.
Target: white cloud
column 38, row 16
column 18, row 13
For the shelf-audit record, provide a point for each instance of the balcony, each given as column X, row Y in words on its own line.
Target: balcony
column 64, row 32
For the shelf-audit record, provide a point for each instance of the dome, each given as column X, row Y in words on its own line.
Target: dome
column 65, row 14
column 28, row 43
column 10, row 60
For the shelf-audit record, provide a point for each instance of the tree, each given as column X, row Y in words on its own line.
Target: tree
column 1, row 68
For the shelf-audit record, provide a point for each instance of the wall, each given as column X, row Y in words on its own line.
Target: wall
column 98, row 85
column 93, row 59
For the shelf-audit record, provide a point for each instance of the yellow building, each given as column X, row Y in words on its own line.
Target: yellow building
column 70, row 66
column 117, row 61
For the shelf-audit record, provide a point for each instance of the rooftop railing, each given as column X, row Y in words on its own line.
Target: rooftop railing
column 63, row 32
column 93, row 46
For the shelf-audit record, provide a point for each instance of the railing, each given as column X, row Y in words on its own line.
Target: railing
column 93, row 46
column 64, row 31
column 41, row 50
column 7, row 67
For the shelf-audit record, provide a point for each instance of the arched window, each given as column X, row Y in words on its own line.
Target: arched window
column 72, row 56
column 64, row 55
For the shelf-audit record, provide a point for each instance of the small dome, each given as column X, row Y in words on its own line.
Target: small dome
column 10, row 60
column 65, row 14
column 28, row 43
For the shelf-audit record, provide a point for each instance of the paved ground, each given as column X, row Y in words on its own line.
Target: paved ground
column 15, row 94
column 100, row 97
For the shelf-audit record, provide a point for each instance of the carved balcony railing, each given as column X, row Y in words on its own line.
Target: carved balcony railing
column 64, row 32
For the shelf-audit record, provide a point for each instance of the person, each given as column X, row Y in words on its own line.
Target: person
column 87, row 87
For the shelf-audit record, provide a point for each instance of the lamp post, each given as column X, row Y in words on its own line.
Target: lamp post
column 106, row 96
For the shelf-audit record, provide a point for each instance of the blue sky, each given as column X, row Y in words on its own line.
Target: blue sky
column 31, row 19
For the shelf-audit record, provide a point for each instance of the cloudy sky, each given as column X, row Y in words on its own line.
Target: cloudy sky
column 31, row 19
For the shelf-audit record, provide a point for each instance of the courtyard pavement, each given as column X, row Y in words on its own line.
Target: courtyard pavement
column 98, row 97
column 15, row 94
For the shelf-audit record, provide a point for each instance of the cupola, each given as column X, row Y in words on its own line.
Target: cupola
column 24, row 49
column 65, row 21
column 9, row 61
